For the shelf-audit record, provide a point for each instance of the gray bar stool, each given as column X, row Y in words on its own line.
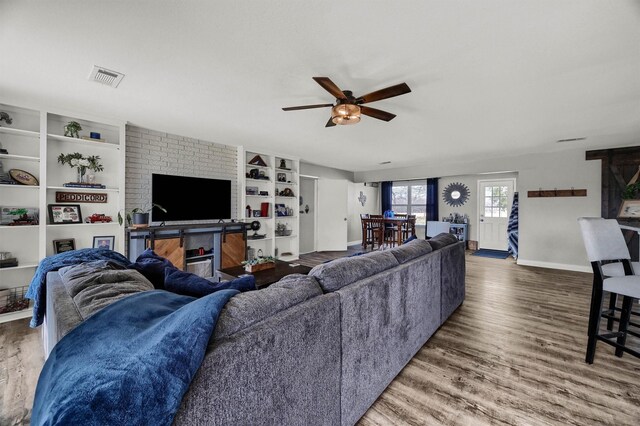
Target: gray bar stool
column 605, row 243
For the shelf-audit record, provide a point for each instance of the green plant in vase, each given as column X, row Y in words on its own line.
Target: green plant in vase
column 81, row 163
column 72, row 128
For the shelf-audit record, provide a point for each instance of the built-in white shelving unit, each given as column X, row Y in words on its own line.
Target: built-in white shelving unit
column 275, row 180
column 33, row 141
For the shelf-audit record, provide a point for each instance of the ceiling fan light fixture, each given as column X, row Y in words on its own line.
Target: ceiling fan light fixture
column 345, row 114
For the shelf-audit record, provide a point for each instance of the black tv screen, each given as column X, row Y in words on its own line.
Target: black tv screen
column 190, row 198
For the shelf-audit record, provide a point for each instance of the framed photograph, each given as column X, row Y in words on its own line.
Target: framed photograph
column 282, row 177
column 630, row 209
column 105, row 241
column 281, row 210
column 60, row 246
column 64, row 213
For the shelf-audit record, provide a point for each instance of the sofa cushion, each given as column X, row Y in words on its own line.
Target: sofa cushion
column 152, row 267
column 334, row 275
column 95, row 285
column 246, row 309
column 411, row 250
column 442, row 240
column 188, row 284
column 411, row 238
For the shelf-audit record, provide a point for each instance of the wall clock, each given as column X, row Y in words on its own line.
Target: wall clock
column 455, row 194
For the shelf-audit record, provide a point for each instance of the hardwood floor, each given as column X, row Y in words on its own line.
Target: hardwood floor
column 513, row 353
column 21, row 359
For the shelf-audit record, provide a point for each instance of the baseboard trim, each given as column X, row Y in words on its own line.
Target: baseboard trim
column 551, row 265
column 353, row 243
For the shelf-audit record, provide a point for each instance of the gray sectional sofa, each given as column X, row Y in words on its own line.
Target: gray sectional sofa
column 316, row 349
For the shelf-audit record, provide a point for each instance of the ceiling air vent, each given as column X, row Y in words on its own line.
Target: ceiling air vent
column 105, row 76
column 385, row 162
column 570, row 140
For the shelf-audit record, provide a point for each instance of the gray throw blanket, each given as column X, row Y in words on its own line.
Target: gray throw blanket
column 95, row 285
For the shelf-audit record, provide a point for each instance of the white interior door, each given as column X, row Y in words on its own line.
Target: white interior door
column 494, row 205
column 332, row 215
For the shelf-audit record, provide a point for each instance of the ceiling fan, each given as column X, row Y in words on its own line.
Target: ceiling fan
column 348, row 108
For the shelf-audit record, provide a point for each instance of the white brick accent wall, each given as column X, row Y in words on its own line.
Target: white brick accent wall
column 150, row 152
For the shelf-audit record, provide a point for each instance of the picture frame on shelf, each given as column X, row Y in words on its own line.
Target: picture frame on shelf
column 60, row 214
column 282, row 177
column 630, row 209
column 281, row 210
column 18, row 216
column 63, row 245
column 104, row 242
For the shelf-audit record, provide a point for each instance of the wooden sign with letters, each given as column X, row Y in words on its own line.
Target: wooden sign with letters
column 80, row 197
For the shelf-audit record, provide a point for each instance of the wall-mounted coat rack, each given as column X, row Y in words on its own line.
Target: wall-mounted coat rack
column 557, row 193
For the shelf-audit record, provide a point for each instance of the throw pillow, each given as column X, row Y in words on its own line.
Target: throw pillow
column 188, row 284
column 408, row 240
column 152, row 267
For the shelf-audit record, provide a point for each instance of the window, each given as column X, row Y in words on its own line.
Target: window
column 495, row 201
column 410, row 198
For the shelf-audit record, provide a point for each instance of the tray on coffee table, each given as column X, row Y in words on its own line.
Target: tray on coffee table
column 266, row 277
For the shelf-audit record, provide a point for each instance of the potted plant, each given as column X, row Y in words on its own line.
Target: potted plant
column 6, row 118
column 138, row 217
column 71, row 129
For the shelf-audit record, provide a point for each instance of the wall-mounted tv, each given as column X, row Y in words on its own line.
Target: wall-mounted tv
column 190, row 198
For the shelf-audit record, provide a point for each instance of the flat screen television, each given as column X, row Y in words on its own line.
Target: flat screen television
column 190, row 198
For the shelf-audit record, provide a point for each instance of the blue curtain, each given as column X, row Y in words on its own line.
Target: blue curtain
column 385, row 193
column 432, row 199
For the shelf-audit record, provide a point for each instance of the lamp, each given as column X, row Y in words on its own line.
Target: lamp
column 345, row 114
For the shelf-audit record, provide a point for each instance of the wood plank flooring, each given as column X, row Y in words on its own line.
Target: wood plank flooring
column 513, row 354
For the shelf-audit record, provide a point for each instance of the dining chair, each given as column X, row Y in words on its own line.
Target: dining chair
column 366, row 230
column 605, row 243
column 616, row 269
column 376, row 225
column 409, row 227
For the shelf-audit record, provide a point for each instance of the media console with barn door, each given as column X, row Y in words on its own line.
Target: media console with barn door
column 199, row 248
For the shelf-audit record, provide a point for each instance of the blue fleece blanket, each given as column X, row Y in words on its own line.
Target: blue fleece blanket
column 129, row 364
column 37, row 288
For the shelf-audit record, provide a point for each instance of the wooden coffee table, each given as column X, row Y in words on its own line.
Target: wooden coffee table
column 266, row 277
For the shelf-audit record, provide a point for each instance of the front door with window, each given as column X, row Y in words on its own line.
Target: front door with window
column 494, row 206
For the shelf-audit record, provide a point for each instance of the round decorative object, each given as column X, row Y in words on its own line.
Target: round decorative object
column 255, row 225
column 455, row 194
column 25, row 178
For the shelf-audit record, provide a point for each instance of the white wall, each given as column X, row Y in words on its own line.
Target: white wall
column 549, row 234
column 470, row 208
column 355, row 208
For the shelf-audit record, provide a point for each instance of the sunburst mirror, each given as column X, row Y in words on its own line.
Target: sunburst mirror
column 455, row 194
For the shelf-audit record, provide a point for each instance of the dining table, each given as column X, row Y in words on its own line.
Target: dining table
column 397, row 222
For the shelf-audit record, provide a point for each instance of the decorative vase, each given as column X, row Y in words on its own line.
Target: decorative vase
column 80, row 178
column 140, row 220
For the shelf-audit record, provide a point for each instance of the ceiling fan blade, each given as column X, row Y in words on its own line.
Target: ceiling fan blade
column 295, row 108
column 330, row 87
column 389, row 92
column 330, row 123
column 377, row 113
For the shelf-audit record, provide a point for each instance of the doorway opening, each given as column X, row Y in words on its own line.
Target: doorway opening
column 308, row 213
